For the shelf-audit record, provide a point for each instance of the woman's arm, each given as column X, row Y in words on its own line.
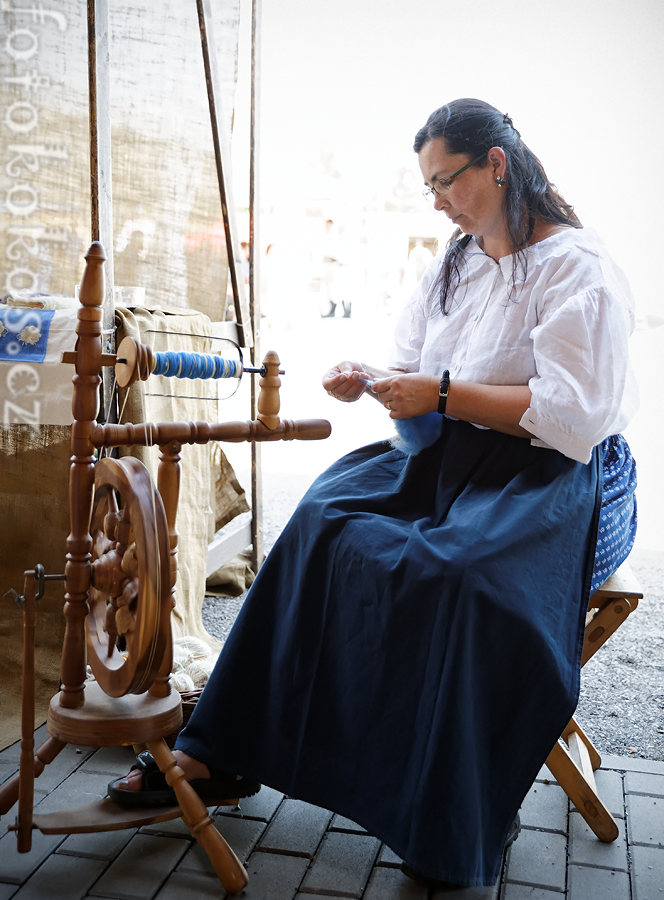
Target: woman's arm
column 496, row 406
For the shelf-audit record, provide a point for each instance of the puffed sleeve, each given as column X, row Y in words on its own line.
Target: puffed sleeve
column 583, row 384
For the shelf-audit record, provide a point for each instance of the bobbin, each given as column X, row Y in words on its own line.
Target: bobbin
column 136, row 362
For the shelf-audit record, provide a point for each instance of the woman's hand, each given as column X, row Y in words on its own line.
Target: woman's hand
column 408, row 394
column 347, row 381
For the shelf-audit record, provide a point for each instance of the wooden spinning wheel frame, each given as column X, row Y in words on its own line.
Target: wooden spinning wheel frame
column 121, row 566
column 120, row 577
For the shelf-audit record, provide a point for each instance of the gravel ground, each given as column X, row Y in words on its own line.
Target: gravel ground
column 622, row 694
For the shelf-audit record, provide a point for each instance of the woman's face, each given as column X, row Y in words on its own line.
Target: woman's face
column 473, row 201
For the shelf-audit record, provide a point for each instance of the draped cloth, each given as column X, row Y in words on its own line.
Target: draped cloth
column 410, row 650
column 210, row 494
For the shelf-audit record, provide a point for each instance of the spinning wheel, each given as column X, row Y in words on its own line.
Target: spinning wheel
column 119, row 575
column 130, row 594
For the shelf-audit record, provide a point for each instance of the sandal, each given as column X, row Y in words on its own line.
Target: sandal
column 154, row 790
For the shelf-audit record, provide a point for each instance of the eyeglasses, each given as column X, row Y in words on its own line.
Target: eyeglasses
column 444, row 184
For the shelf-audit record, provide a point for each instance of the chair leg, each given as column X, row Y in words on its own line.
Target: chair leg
column 574, row 759
column 573, row 728
column 604, row 623
column 578, row 781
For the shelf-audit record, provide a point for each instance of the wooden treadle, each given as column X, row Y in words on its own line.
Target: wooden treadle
column 102, row 815
column 105, row 815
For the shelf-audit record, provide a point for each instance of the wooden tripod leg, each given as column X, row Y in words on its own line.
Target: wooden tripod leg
column 228, row 867
column 46, row 754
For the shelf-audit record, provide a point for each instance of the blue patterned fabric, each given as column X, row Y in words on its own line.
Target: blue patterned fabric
column 618, row 516
column 24, row 334
column 415, row 614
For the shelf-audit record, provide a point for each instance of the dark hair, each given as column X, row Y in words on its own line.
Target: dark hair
column 472, row 127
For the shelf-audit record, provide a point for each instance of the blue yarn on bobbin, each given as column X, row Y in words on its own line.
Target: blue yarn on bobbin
column 178, row 364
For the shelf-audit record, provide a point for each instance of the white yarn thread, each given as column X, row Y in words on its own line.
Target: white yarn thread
column 193, row 662
column 182, row 682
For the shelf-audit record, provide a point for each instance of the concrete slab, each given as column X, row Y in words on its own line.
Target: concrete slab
column 296, row 828
column 646, row 819
column 141, row 868
column 585, row 882
column 584, row 849
column 648, row 873
column 342, row 865
column 545, row 806
column 538, row 858
column 62, row 876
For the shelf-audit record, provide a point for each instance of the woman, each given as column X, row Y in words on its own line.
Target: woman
column 425, row 604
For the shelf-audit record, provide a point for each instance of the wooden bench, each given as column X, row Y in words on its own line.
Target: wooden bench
column 574, row 759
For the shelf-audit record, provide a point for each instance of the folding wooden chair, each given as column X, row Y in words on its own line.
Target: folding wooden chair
column 574, row 759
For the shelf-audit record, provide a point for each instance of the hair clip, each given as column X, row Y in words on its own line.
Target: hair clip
column 507, row 120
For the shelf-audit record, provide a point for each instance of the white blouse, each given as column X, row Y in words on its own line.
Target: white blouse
column 564, row 332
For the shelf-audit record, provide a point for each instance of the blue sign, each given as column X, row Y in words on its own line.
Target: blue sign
column 24, row 333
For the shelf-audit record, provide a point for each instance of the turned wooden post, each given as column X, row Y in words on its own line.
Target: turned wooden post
column 228, row 867
column 268, row 398
column 168, row 486
column 85, row 407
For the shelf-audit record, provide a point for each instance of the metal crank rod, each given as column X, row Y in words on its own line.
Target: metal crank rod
column 22, row 785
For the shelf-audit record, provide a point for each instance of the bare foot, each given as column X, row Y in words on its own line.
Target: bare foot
column 193, row 770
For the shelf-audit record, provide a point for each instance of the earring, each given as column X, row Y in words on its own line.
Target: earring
column 500, row 181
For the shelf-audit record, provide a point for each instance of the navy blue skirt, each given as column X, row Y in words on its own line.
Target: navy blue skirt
column 410, row 650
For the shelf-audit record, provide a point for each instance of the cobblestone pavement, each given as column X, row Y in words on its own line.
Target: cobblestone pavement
column 295, row 851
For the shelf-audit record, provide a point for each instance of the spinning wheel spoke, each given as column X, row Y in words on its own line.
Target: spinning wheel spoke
column 129, row 601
